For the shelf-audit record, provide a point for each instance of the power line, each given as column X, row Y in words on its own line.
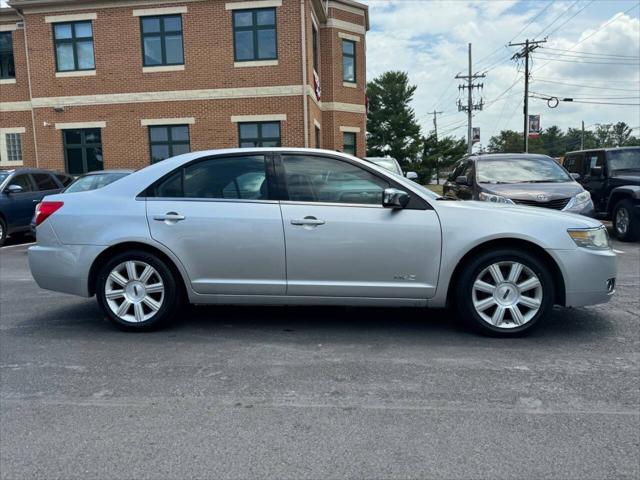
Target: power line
column 551, row 59
column 568, row 20
column 580, row 52
column 558, row 17
column 571, row 55
column 598, row 87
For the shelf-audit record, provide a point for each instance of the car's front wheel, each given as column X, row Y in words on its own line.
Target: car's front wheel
column 3, row 231
column 625, row 225
column 505, row 292
column 137, row 291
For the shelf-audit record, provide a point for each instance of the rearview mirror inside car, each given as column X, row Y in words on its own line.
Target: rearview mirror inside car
column 596, row 171
column 462, row 180
column 14, row 189
column 394, row 198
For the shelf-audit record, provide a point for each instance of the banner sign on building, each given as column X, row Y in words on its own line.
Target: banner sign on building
column 534, row 126
column 475, row 138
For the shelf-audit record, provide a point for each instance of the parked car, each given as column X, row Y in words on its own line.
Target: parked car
column 20, row 190
column 88, row 181
column 612, row 176
column 392, row 165
column 320, row 228
column 518, row 178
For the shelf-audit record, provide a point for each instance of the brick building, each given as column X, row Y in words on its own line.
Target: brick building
column 120, row 84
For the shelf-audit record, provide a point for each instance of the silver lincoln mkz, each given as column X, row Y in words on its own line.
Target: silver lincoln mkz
column 312, row 227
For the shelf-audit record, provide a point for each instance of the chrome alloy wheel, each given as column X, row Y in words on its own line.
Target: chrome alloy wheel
column 134, row 291
column 622, row 221
column 507, row 294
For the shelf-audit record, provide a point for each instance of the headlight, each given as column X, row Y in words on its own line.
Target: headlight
column 595, row 238
column 490, row 197
column 578, row 200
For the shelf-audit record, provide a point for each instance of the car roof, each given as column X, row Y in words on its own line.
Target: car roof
column 514, row 156
column 113, row 170
column 604, row 149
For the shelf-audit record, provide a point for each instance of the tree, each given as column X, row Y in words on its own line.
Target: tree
column 553, row 141
column 440, row 156
column 392, row 128
column 620, row 134
column 573, row 139
column 507, row 141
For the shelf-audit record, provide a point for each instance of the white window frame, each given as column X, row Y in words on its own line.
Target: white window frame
column 3, row 146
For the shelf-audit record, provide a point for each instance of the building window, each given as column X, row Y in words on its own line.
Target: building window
column 259, row 134
column 7, row 67
column 254, row 34
column 349, row 61
column 14, row 147
column 83, row 150
column 162, row 40
column 349, row 143
column 318, row 141
column 74, row 46
column 168, row 141
column 314, row 46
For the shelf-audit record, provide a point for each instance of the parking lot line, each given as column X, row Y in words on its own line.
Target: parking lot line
column 18, row 245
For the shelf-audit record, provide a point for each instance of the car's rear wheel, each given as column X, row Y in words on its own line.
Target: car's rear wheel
column 505, row 292
column 3, row 231
column 137, row 291
column 625, row 226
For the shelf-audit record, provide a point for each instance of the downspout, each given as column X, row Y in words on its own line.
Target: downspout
column 27, row 55
column 305, row 107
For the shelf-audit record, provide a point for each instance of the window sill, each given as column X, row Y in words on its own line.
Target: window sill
column 257, row 63
column 76, row 73
column 7, row 81
column 16, row 163
column 163, row 68
column 350, row 84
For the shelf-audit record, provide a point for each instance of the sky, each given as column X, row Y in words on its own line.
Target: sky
column 592, row 53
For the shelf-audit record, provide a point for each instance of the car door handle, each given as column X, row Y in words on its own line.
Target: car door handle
column 307, row 221
column 169, row 217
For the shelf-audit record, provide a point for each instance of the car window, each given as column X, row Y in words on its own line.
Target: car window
column 321, row 179
column 64, row 179
column 457, row 171
column 467, row 169
column 222, row 178
column 624, row 160
column 573, row 163
column 520, row 170
column 22, row 180
column 44, row 181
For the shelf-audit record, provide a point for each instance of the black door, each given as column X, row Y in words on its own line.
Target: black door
column 82, row 150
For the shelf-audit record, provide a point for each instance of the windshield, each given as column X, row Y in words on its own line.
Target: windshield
column 93, row 182
column 388, row 163
column 3, row 177
column 624, row 159
column 520, row 170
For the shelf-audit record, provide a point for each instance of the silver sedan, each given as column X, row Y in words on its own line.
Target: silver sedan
column 312, row 227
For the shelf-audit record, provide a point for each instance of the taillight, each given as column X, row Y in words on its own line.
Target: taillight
column 45, row 209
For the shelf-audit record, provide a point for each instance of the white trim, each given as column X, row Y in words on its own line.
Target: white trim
column 347, row 36
column 343, row 107
column 259, row 118
column 7, row 81
column 74, row 17
column 101, row 5
column 8, row 28
column 15, row 106
column 3, row 145
column 163, row 68
column 315, row 21
column 147, row 122
column 67, row 126
column 350, row 129
column 350, row 84
column 256, row 63
column 76, row 73
column 348, row 26
column 317, row 124
column 346, row 8
column 252, row 4
column 145, row 12
column 167, row 96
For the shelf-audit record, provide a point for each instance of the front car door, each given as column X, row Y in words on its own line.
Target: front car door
column 594, row 183
column 341, row 242
column 21, row 205
column 217, row 216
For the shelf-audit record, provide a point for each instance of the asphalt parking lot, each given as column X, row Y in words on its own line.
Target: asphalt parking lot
column 315, row 392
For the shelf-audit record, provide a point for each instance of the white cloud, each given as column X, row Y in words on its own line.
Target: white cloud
column 428, row 39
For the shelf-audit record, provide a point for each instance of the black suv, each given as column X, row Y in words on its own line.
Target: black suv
column 612, row 176
column 20, row 190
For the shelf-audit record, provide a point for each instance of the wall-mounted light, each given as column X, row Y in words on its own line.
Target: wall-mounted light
column 58, row 109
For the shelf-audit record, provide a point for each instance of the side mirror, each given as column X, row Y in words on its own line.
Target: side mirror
column 394, row 198
column 412, row 176
column 596, row 172
column 575, row 176
column 13, row 189
column 462, row 180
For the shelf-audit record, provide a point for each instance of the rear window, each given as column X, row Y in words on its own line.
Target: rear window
column 64, row 179
column 44, row 181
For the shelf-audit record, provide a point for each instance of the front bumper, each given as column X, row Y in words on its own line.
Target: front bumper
column 587, row 275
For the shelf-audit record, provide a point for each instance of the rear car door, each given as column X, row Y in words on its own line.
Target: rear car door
column 341, row 241
column 217, row 216
column 594, row 183
column 21, row 205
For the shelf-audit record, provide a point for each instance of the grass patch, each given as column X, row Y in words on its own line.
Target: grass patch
column 435, row 188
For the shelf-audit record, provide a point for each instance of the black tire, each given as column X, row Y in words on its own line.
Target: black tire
column 464, row 291
column 3, row 231
column 632, row 232
column 172, row 297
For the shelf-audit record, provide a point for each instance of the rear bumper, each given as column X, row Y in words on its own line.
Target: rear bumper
column 587, row 275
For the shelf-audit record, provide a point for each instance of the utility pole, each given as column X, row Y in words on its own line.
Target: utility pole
column 528, row 47
column 470, row 106
column 582, row 137
column 435, row 129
